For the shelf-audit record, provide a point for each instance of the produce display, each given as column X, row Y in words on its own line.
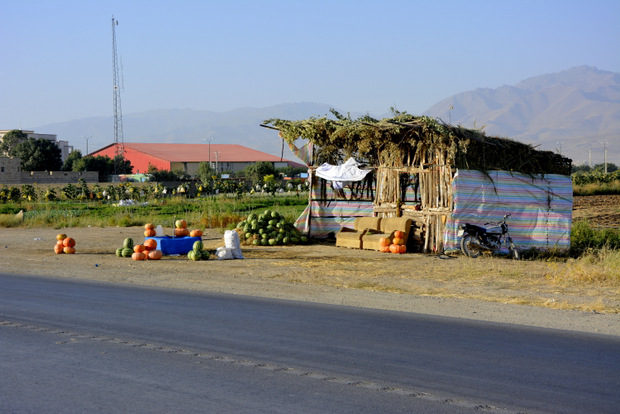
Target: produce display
column 269, row 229
column 64, row 244
column 197, row 253
column 147, row 250
column 180, row 228
column 395, row 245
column 149, row 230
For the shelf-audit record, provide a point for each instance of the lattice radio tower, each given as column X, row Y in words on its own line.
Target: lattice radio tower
column 118, row 112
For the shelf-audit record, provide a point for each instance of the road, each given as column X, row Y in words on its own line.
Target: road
column 72, row 346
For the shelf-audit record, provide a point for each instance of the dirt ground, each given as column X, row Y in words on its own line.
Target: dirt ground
column 601, row 211
column 487, row 288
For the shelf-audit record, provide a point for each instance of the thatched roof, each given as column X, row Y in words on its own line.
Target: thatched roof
column 407, row 140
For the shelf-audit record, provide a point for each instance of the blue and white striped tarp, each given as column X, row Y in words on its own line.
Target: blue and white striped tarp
column 540, row 207
column 330, row 216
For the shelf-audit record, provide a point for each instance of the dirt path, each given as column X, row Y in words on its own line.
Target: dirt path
column 494, row 289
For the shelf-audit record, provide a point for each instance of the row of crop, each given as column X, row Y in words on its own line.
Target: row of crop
column 135, row 191
column 595, row 177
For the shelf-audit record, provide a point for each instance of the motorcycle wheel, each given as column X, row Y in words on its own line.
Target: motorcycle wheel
column 513, row 250
column 467, row 248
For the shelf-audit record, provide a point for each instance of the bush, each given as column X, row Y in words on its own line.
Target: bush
column 586, row 238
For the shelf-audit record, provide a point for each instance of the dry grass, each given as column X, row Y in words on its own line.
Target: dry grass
column 600, row 267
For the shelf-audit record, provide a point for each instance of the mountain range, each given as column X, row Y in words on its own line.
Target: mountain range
column 575, row 112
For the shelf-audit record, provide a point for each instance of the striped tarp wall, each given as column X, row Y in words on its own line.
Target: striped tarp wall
column 330, row 216
column 540, row 207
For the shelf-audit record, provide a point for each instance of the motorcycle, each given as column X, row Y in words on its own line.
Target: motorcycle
column 476, row 239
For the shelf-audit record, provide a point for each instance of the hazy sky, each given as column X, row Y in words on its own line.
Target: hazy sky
column 356, row 55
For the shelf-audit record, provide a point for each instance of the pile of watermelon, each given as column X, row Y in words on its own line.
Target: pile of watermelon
column 127, row 249
column 269, row 229
column 197, row 253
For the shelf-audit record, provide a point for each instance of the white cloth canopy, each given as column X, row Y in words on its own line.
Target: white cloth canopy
column 349, row 171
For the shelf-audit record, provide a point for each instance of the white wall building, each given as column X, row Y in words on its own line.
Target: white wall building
column 64, row 146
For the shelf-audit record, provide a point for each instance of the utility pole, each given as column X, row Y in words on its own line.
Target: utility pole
column 209, row 139
column 118, row 112
column 605, row 154
column 87, row 138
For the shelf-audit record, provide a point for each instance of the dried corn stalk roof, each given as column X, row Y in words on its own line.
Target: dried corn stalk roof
column 407, row 140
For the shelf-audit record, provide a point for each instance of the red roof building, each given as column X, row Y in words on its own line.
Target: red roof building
column 187, row 157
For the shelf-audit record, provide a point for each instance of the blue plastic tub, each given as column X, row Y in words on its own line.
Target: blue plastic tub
column 171, row 246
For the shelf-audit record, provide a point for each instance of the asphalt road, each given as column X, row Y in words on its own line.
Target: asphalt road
column 70, row 346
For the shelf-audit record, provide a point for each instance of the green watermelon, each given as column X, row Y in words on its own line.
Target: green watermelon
column 119, row 252
column 127, row 252
column 194, row 255
column 197, row 246
column 128, row 243
column 205, row 255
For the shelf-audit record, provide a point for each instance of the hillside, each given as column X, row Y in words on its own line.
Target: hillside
column 239, row 126
column 572, row 111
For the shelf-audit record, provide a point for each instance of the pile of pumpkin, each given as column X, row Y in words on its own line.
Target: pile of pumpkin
column 64, row 244
column 395, row 245
column 147, row 250
column 180, row 230
column 269, row 229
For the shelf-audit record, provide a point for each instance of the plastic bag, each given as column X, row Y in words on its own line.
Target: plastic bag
column 231, row 241
column 224, row 253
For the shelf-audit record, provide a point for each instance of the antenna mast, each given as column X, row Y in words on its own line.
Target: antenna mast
column 118, row 112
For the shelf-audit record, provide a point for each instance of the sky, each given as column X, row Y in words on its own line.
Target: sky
column 355, row 55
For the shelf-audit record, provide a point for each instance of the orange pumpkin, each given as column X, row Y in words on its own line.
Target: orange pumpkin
column 181, row 232
column 384, row 249
column 399, row 234
column 149, row 226
column 150, row 244
column 68, row 250
column 403, row 248
column 149, row 233
column 58, row 248
column 398, row 240
column 195, row 233
column 68, row 242
column 139, row 248
column 384, row 241
column 180, row 224
column 154, row 255
column 394, row 248
column 138, row 256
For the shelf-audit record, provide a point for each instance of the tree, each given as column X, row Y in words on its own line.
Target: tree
column 122, row 165
column 205, row 173
column 11, row 139
column 581, row 168
column 38, row 155
column 103, row 164
column 255, row 172
column 71, row 158
column 611, row 167
column 165, row 175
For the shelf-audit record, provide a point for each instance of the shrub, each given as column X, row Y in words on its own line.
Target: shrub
column 586, row 238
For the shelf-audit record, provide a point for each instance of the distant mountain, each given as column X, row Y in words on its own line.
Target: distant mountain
column 239, row 126
column 573, row 111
